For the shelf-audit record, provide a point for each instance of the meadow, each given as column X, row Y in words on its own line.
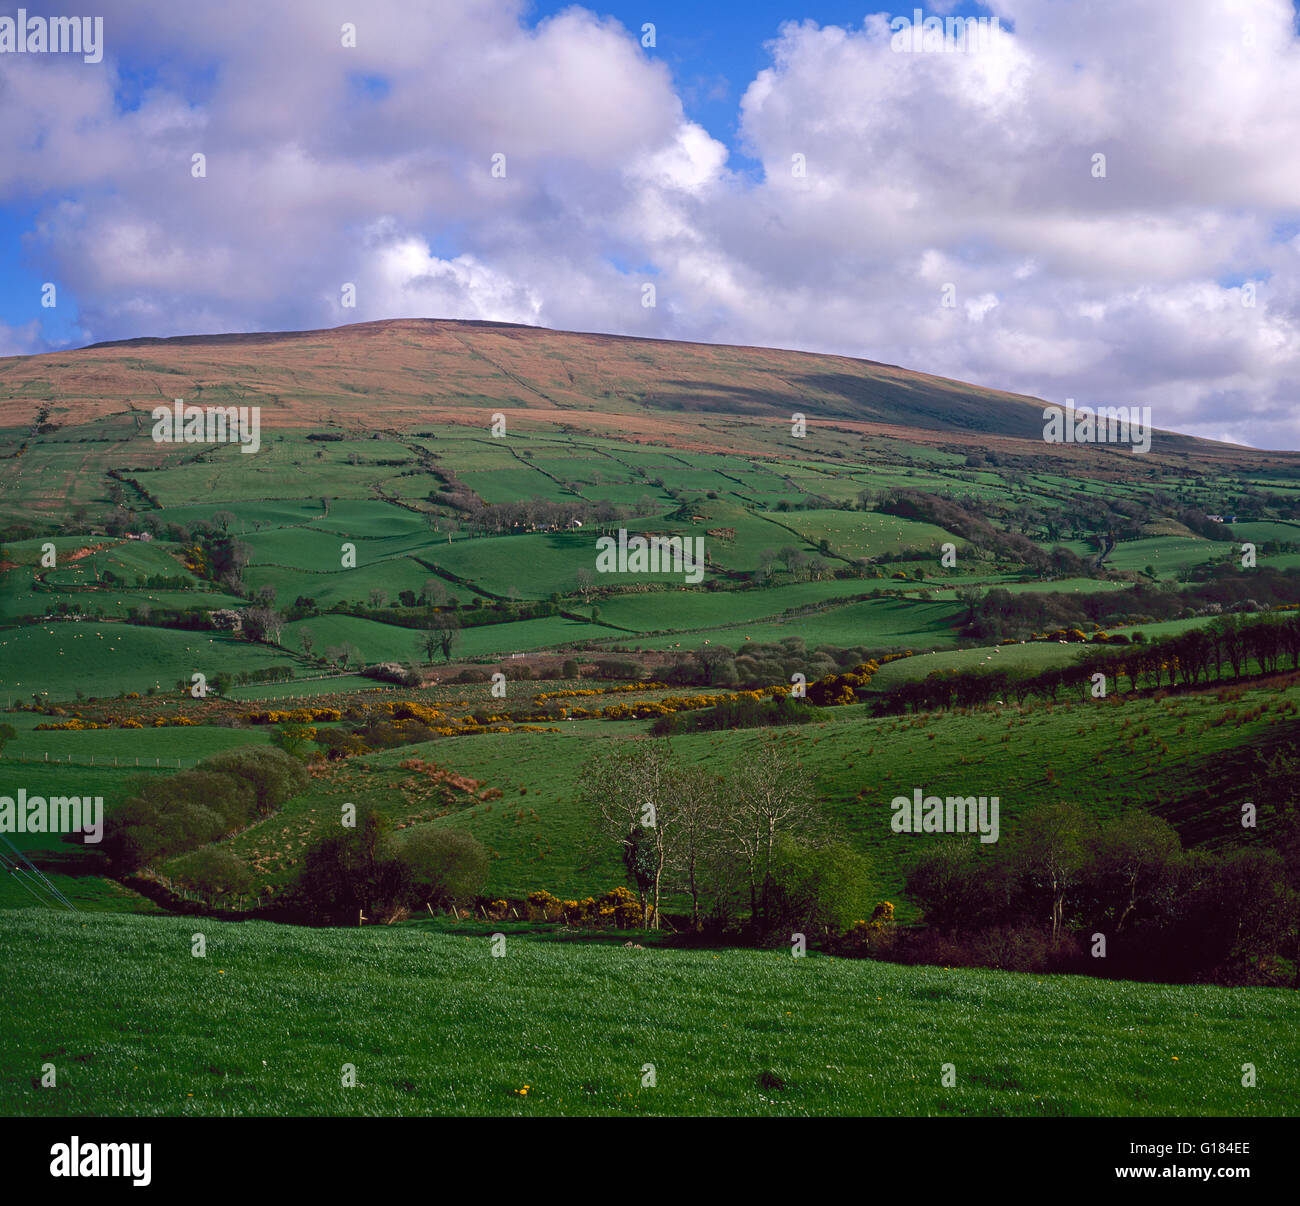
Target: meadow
column 265, row 1023
column 381, row 439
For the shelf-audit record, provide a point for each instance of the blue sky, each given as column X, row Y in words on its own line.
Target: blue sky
column 714, row 50
column 856, row 190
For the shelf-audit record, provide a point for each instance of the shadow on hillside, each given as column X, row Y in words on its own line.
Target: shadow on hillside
column 1211, row 814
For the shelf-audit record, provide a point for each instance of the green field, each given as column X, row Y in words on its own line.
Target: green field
column 386, row 453
column 53, row 660
column 264, row 1024
column 880, row 623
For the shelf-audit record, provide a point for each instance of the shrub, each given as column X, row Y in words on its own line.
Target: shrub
column 355, row 873
column 446, row 866
column 816, row 888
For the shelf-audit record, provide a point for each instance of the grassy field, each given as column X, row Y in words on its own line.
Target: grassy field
column 265, row 1023
column 380, row 439
column 55, row 660
column 1172, row 756
column 879, row 623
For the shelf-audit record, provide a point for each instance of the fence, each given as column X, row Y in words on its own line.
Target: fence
column 102, row 760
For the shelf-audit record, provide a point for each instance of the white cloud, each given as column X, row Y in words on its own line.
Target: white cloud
column 373, row 165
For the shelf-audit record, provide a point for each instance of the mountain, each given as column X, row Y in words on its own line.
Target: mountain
column 391, row 375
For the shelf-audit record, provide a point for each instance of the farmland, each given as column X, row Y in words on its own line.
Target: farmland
column 404, row 597
column 263, row 1023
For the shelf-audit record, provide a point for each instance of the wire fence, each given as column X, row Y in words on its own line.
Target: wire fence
column 143, row 762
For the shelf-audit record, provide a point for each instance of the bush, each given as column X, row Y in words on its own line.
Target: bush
column 446, row 866
column 816, row 889
column 273, row 775
column 215, row 872
column 357, row 872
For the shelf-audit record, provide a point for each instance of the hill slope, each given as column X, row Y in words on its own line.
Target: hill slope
column 417, row 370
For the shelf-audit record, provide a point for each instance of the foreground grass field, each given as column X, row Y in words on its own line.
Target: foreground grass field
column 434, row 1024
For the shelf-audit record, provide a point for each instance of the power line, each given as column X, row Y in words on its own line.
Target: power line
column 22, row 877
column 55, row 892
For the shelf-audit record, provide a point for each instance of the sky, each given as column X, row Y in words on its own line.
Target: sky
column 1099, row 204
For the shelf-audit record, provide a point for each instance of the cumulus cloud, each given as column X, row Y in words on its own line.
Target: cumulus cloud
column 21, row 340
column 944, row 211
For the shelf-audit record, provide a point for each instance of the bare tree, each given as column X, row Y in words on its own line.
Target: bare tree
column 698, row 820
column 263, row 624
column 1052, row 852
column 769, row 797
column 442, row 634
column 435, row 594
column 633, row 793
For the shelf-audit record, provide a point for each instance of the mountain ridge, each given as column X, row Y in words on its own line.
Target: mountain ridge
column 413, row 369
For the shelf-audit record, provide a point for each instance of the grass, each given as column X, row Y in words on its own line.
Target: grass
column 388, row 642
column 56, row 659
column 1172, row 756
column 882, row 623
column 264, row 1024
column 867, row 534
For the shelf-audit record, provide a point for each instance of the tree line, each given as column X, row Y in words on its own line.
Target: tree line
column 755, row 839
column 1230, row 647
column 1119, row 896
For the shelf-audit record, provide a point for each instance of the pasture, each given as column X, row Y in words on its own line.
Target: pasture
column 266, row 1021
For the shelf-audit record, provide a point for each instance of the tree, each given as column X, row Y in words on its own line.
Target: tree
column 698, row 832
column 823, row 888
column 586, row 584
column 446, row 631
column 1134, row 863
column 435, row 594
column 7, row 734
column 214, row 872
column 378, row 597
column 446, row 866
column 263, row 624
column 307, row 640
column 632, row 793
column 356, row 872
column 295, row 739
column 769, row 798
column 1052, row 849
column 272, row 774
